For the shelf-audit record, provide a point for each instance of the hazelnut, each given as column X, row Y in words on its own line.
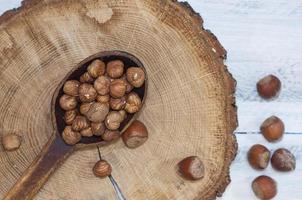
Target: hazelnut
column 109, row 135
column 87, row 132
column 264, row 187
column 96, row 68
column 272, row 129
column 97, row 112
column 115, row 69
column 103, row 98
column 136, row 76
column 71, row 87
column 102, row 84
column 102, row 169
column 71, row 137
column 69, row 116
column 113, row 120
column 117, row 104
column 80, row 123
column 123, row 114
column 11, row 142
column 68, row 102
column 133, row 103
column 84, row 108
column 87, row 93
column 98, row 128
column 129, row 87
column 283, row 160
column 259, row 156
column 135, row 135
column 191, row 168
column 117, row 88
column 86, row 78
column 269, row 87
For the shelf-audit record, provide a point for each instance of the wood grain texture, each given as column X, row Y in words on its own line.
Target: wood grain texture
column 189, row 110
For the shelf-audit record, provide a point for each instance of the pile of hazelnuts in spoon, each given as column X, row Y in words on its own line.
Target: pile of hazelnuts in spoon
column 97, row 103
column 272, row 130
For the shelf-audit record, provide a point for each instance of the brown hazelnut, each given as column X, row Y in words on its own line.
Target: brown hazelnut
column 87, row 132
column 117, row 88
column 87, row 93
column 135, row 135
column 68, row 102
column 123, row 114
column 264, row 187
column 129, row 87
column 69, row 116
column 109, row 135
column 96, row 68
column 11, row 142
column 115, row 69
column 80, row 123
column 272, row 129
column 136, row 76
column 259, row 156
column 283, row 160
column 269, row 87
column 71, row 87
column 103, row 98
column 133, row 103
column 102, row 84
column 84, row 108
column 86, row 78
column 71, row 137
column 117, row 104
column 191, row 168
column 113, row 120
column 102, row 169
column 97, row 112
column 98, row 128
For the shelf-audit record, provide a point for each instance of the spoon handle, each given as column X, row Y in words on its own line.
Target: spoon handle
column 52, row 155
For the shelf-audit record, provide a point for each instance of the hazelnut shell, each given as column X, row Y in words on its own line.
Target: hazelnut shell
column 283, row 160
column 259, row 156
column 264, row 187
column 191, row 168
column 269, row 87
column 272, row 129
column 135, row 135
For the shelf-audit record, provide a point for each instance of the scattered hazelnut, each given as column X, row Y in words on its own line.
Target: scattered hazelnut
column 103, row 98
column 98, row 128
column 269, row 87
column 102, row 84
column 71, row 137
column 11, row 142
column 96, row 68
column 115, row 69
column 283, row 160
column 117, row 104
column 87, row 93
column 84, row 108
column 80, row 123
column 86, row 78
column 102, row 169
column 68, row 102
column 129, row 87
column 123, row 114
column 113, row 120
column 136, row 76
column 71, row 87
column 87, row 132
column 259, row 156
column 133, row 103
column 109, row 135
column 69, row 116
column 191, row 168
column 272, row 129
column 135, row 135
column 264, row 187
column 117, row 88
column 97, row 112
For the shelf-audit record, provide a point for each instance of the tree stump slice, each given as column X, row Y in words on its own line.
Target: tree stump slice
column 189, row 110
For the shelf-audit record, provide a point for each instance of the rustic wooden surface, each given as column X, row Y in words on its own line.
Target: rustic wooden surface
column 189, row 99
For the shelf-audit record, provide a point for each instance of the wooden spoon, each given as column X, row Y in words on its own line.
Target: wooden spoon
column 56, row 150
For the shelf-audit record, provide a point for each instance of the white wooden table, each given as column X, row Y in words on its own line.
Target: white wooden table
column 261, row 37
